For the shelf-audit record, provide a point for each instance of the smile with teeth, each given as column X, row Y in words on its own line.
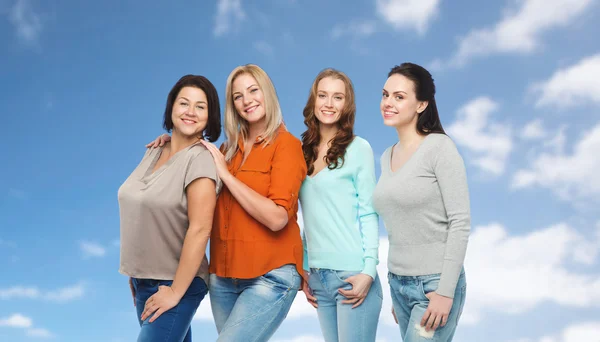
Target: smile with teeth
column 188, row 121
column 388, row 113
column 327, row 112
column 250, row 110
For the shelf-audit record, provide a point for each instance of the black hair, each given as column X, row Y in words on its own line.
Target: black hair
column 213, row 126
column 429, row 119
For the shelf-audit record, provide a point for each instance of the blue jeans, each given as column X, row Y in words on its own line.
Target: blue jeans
column 173, row 325
column 340, row 322
column 410, row 303
column 249, row 310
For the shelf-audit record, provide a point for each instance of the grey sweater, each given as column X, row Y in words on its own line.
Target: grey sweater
column 425, row 208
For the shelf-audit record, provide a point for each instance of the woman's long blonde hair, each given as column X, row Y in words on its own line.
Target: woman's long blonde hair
column 235, row 125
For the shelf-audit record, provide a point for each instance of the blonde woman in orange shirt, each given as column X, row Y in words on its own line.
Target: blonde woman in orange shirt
column 256, row 249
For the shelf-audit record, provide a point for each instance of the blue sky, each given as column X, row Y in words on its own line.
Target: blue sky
column 83, row 88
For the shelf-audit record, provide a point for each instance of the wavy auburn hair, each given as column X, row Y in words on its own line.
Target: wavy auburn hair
column 311, row 138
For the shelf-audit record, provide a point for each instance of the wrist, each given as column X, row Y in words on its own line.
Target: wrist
column 177, row 292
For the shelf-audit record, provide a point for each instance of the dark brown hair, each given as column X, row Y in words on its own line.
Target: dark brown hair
column 213, row 126
column 312, row 136
column 429, row 119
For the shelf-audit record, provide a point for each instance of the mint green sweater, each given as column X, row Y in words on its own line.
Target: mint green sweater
column 340, row 224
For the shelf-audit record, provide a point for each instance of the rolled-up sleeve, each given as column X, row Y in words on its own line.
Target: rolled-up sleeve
column 288, row 170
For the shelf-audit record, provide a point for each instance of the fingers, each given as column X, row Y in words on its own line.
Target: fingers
column 156, row 315
column 351, row 300
column 426, row 316
column 444, row 320
column 437, row 322
column 431, row 321
column 358, row 303
column 347, row 293
column 149, row 309
column 394, row 314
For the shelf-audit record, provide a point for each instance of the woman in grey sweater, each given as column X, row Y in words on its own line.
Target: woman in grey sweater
column 423, row 199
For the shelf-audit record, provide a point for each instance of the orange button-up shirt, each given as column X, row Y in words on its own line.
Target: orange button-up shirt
column 241, row 247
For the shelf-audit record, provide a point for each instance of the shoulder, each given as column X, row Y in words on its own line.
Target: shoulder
column 285, row 138
column 198, row 152
column 359, row 147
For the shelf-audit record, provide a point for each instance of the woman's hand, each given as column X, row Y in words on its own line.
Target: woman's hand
column 308, row 292
column 160, row 302
column 361, row 283
column 132, row 290
column 394, row 314
column 219, row 158
column 160, row 141
column 437, row 311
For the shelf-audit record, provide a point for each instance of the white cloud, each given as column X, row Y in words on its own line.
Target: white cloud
column 264, row 48
column 354, row 29
column 535, row 266
column 91, row 249
column 60, row 295
column 408, row 14
column 26, row 21
column 575, row 85
column 533, row 130
column 16, row 321
column 19, row 292
column 569, row 176
column 39, row 332
column 579, row 332
column 66, row 294
column 520, row 30
column 229, row 14
column 488, row 143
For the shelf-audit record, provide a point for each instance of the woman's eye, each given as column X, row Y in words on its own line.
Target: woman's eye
column 182, row 103
column 200, row 107
column 339, row 98
column 321, row 96
column 254, row 90
column 398, row 97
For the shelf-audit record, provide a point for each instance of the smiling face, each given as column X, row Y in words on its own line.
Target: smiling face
column 248, row 98
column 190, row 112
column 399, row 105
column 330, row 100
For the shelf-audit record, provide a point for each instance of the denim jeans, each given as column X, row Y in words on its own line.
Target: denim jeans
column 340, row 322
column 249, row 310
column 410, row 303
column 173, row 325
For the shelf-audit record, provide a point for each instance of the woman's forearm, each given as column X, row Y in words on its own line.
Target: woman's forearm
column 261, row 208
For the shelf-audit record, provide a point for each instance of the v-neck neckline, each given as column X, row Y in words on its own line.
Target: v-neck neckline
column 412, row 156
column 149, row 174
column 320, row 171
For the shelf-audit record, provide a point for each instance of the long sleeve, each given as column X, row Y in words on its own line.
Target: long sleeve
column 450, row 172
column 365, row 182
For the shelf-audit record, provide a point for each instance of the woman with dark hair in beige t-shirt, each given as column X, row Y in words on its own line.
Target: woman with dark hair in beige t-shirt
column 166, row 208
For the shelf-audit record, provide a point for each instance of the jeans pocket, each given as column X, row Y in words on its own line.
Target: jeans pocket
column 429, row 284
column 343, row 275
column 285, row 277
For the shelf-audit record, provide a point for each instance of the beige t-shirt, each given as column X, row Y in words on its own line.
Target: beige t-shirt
column 153, row 209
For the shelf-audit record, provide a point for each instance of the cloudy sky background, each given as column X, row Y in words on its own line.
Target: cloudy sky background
column 83, row 88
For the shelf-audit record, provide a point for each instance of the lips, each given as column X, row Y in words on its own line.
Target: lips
column 327, row 113
column 250, row 110
column 388, row 114
column 188, row 121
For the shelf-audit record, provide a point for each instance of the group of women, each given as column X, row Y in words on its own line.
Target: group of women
column 244, row 197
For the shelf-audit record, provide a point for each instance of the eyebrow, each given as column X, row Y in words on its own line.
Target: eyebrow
column 250, row 86
column 397, row 92
column 185, row 98
column 335, row 93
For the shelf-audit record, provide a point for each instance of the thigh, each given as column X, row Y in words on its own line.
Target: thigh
column 416, row 333
column 223, row 296
column 327, row 307
column 399, row 303
column 360, row 324
column 174, row 324
column 262, row 306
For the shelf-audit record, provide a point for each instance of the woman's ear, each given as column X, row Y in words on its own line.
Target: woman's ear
column 422, row 106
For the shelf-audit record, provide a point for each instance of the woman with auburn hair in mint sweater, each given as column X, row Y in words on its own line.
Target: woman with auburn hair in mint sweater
column 340, row 235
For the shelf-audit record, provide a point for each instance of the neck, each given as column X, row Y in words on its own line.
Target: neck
column 408, row 135
column 327, row 132
column 179, row 141
column 256, row 128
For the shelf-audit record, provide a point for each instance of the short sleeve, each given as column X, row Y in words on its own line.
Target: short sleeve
column 288, row 170
column 201, row 165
